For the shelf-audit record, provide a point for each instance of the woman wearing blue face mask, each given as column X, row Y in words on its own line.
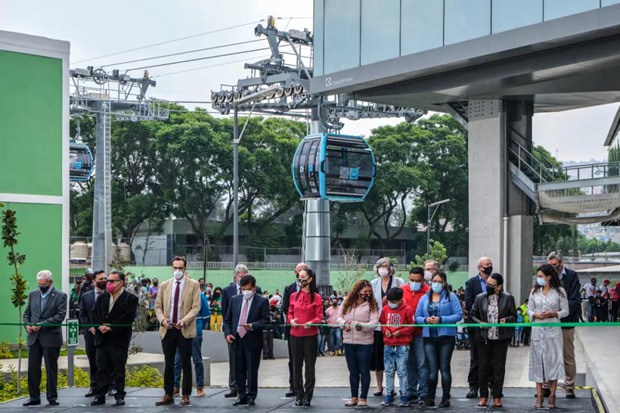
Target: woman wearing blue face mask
column 548, row 303
column 439, row 306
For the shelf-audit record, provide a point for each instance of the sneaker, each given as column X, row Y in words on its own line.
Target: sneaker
column 387, row 400
column 403, row 402
column 570, row 394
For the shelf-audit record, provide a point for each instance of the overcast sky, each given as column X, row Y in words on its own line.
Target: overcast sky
column 97, row 29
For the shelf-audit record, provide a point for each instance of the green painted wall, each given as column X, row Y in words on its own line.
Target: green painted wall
column 31, row 121
column 40, row 228
column 30, row 124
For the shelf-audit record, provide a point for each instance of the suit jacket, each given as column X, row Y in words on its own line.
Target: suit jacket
column 54, row 313
column 570, row 282
column 229, row 292
column 87, row 307
column 123, row 312
column 258, row 316
column 472, row 289
column 286, row 300
column 190, row 306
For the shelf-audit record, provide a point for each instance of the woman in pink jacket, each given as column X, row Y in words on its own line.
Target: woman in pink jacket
column 358, row 317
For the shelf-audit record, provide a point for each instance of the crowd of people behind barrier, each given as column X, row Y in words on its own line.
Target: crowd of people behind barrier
column 372, row 325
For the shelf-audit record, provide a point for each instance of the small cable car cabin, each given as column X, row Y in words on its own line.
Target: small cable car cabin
column 333, row 167
column 81, row 162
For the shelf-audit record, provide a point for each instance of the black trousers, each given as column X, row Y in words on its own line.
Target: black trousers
column 247, row 361
column 472, row 377
column 172, row 341
column 492, row 366
column 91, row 353
column 232, row 382
column 111, row 363
column 37, row 353
column 268, row 343
column 287, row 336
column 305, row 350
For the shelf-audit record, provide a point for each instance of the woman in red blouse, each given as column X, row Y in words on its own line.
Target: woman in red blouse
column 304, row 312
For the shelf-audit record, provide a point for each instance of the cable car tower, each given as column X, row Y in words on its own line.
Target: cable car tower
column 276, row 88
column 94, row 91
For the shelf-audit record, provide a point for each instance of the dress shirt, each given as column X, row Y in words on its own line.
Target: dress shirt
column 178, row 299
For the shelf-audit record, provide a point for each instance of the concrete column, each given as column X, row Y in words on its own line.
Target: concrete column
column 500, row 225
column 102, row 200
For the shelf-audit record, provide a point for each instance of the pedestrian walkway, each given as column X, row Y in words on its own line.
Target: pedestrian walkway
column 272, row 400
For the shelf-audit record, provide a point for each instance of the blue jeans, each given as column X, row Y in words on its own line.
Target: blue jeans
column 321, row 341
column 438, row 351
column 335, row 339
column 198, row 365
column 395, row 360
column 417, row 369
column 591, row 311
column 358, row 362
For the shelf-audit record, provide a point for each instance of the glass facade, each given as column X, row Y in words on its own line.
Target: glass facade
column 350, row 33
column 380, row 39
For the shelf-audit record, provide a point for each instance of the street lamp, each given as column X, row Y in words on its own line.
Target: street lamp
column 430, row 216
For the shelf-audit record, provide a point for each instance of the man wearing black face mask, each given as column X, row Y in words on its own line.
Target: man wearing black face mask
column 87, row 304
column 293, row 288
column 474, row 286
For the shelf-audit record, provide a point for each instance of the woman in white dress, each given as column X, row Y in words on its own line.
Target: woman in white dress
column 547, row 304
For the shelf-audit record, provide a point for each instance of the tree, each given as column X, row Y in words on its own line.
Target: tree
column 15, row 259
column 437, row 252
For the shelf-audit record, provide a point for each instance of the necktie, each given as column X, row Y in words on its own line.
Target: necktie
column 175, row 306
column 243, row 319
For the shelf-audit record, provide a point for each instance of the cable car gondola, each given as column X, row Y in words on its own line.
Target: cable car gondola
column 333, row 167
column 81, row 162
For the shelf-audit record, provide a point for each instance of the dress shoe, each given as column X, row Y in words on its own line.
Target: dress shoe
column 570, row 394
column 175, row 391
column 482, row 402
column 497, row 402
column 185, row 400
column 240, row 402
column 32, row 403
column 232, row 393
column 299, row 402
column 251, row 402
column 200, row 392
column 473, row 393
column 97, row 401
column 90, row 393
column 120, row 401
column 444, row 404
column 165, row 401
column 53, row 402
column 289, row 393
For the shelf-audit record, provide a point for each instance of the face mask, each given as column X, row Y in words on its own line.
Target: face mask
column 393, row 306
column 491, row 289
column 334, row 304
column 43, row 288
column 488, row 270
column 303, row 283
column 178, row 274
column 428, row 275
column 384, row 272
column 102, row 284
column 541, row 281
column 415, row 286
column 247, row 294
column 155, row 284
column 209, row 289
column 364, row 297
column 437, row 287
column 110, row 287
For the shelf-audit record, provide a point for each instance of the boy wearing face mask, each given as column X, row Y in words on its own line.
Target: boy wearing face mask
column 417, row 371
column 396, row 319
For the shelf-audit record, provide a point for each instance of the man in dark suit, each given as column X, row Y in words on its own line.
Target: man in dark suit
column 46, row 306
column 87, row 307
column 227, row 294
column 474, row 286
column 288, row 290
column 244, row 320
column 570, row 282
column 115, row 310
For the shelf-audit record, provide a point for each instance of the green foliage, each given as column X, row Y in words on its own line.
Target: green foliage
column 145, row 376
column 5, row 351
column 437, row 252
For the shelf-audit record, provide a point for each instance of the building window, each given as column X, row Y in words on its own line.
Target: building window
column 466, row 19
column 510, row 14
column 380, row 30
column 342, row 34
column 421, row 26
column 554, row 9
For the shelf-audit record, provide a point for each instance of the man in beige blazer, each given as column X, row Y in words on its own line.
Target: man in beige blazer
column 176, row 307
